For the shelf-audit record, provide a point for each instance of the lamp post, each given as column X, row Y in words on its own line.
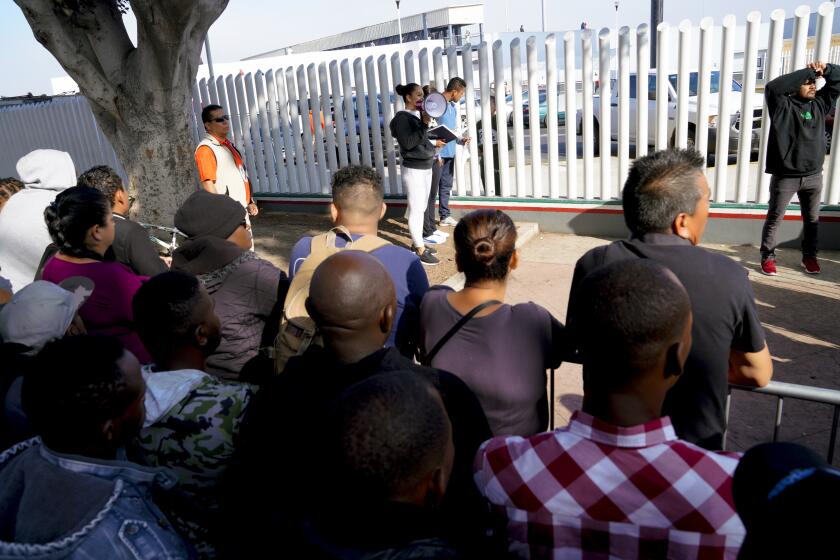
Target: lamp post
column 615, row 34
column 399, row 25
column 543, row 16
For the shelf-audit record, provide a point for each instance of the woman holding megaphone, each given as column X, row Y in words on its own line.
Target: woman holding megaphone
column 417, row 152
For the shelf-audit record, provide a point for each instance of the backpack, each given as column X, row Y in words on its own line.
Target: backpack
column 297, row 329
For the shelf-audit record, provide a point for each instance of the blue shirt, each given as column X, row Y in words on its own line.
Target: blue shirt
column 406, row 271
column 450, row 120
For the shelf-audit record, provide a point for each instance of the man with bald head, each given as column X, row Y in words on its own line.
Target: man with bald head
column 358, row 203
column 280, row 467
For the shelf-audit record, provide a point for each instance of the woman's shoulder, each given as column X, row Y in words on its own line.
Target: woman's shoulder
column 436, row 294
column 530, row 311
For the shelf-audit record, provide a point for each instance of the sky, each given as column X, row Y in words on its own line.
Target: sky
column 248, row 27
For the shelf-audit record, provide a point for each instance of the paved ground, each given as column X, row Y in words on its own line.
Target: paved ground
column 801, row 315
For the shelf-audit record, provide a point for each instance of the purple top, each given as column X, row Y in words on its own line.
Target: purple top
column 502, row 357
column 108, row 310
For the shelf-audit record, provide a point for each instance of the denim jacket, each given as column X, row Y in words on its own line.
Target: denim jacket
column 63, row 506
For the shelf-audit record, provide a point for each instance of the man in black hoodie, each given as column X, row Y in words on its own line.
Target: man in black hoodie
column 279, row 476
column 795, row 154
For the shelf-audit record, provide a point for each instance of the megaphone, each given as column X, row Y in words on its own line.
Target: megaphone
column 434, row 105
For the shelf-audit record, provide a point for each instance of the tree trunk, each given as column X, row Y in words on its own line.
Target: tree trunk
column 140, row 95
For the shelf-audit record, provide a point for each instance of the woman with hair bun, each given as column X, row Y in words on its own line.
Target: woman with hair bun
column 500, row 351
column 417, row 154
column 82, row 227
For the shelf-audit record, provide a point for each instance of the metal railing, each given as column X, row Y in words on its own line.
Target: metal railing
column 782, row 391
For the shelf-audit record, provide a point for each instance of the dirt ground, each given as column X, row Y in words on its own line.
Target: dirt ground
column 275, row 233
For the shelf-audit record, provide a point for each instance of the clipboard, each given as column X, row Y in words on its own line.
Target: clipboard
column 442, row 132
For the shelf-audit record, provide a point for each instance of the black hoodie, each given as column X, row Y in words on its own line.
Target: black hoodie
column 796, row 146
column 416, row 149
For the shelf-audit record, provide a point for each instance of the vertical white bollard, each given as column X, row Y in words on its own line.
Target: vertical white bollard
column 800, row 36
column 257, row 141
column 683, row 81
column 825, row 19
column 551, row 116
column 486, row 118
column 605, row 121
column 315, row 107
column 202, row 92
column 349, row 113
column 247, row 144
column 518, row 126
column 747, row 90
column 409, row 67
column 266, row 135
column 772, row 70
column 588, row 117
column 297, row 132
column 534, row 117
column 571, row 114
column 338, row 109
column 460, row 184
column 329, row 129
column 662, row 71
column 642, row 71
column 384, row 87
column 501, row 119
column 396, row 78
column 701, row 133
column 437, row 66
column 424, row 67
column 373, row 111
column 724, row 110
column 469, row 101
column 282, row 136
column 307, row 120
column 211, row 88
column 623, row 107
column 361, row 111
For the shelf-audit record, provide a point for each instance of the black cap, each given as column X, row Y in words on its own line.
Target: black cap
column 206, row 214
column 787, row 497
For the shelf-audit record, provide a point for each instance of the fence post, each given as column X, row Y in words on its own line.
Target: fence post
column 662, row 71
column 534, row 117
column 361, row 111
column 315, row 112
column 393, row 184
column 683, row 82
column 772, row 70
column 588, row 116
column 202, row 92
column 551, row 116
column 409, row 67
column 349, row 113
column 486, row 119
column 396, row 78
column 701, row 132
column 800, row 37
column 623, row 106
column 605, row 124
column 279, row 114
column 724, row 112
column 469, row 101
column 571, row 114
column 437, row 64
column 825, row 20
column 747, row 117
column 266, row 136
column 424, row 67
column 338, row 114
column 329, row 129
column 501, row 119
column 307, row 120
column 297, row 132
column 642, row 102
column 233, row 110
column 257, row 143
column 518, row 128
column 247, row 137
column 373, row 110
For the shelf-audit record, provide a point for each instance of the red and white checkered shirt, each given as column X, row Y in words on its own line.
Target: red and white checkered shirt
column 596, row 491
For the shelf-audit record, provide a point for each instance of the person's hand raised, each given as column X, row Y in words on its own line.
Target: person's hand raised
column 818, row 67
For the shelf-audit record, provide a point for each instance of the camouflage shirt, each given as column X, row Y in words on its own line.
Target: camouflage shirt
column 196, row 439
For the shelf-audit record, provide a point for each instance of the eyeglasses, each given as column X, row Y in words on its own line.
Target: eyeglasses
column 222, row 119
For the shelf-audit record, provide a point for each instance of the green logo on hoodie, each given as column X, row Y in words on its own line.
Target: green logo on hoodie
column 807, row 115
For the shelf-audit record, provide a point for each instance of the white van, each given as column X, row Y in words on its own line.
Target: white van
column 734, row 120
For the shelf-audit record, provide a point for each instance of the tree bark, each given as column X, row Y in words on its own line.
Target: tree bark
column 140, row 95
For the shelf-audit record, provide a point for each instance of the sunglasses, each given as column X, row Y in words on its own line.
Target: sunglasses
column 222, row 119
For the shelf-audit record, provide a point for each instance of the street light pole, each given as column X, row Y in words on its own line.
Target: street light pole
column 615, row 34
column 655, row 19
column 543, row 16
column 399, row 24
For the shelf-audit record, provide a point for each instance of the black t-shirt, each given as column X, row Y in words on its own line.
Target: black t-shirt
column 725, row 317
column 133, row 248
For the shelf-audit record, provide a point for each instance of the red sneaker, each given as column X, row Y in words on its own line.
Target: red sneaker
column 811, row 265
column 768, row 267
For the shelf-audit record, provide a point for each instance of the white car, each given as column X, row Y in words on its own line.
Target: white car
column 714, row 120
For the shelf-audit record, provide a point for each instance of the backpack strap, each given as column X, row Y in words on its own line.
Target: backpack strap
column 427, row 359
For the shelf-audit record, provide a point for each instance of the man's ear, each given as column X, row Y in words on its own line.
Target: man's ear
column 680, row 226
column 382, row 213
column 109, row 432
column 437, row 487
column 120, row 197
column 200, row 335
column 673, row 363
column 386, row 318
column 333, row 212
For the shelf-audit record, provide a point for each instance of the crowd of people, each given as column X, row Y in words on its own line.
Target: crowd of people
column 214, row 406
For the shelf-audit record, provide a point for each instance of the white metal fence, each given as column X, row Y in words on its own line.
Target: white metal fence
column 690, row 97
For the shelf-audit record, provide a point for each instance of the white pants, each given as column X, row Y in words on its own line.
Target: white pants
column 418, row 185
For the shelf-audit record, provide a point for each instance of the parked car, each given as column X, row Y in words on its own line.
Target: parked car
column 714, row 119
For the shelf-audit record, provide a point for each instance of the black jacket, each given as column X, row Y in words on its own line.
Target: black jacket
column 278, row 471
column 133, row 248
column 416, row 150
column 796, row 146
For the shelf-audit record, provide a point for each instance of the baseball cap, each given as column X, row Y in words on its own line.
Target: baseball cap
column 42, row 311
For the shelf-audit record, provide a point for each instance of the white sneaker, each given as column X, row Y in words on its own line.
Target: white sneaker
column 440, row 233
column 449, row 221
column 434, row 239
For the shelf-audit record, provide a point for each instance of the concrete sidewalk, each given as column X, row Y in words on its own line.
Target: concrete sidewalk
column 801, row 315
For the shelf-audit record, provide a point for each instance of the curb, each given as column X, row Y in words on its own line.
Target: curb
column 525, row 231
